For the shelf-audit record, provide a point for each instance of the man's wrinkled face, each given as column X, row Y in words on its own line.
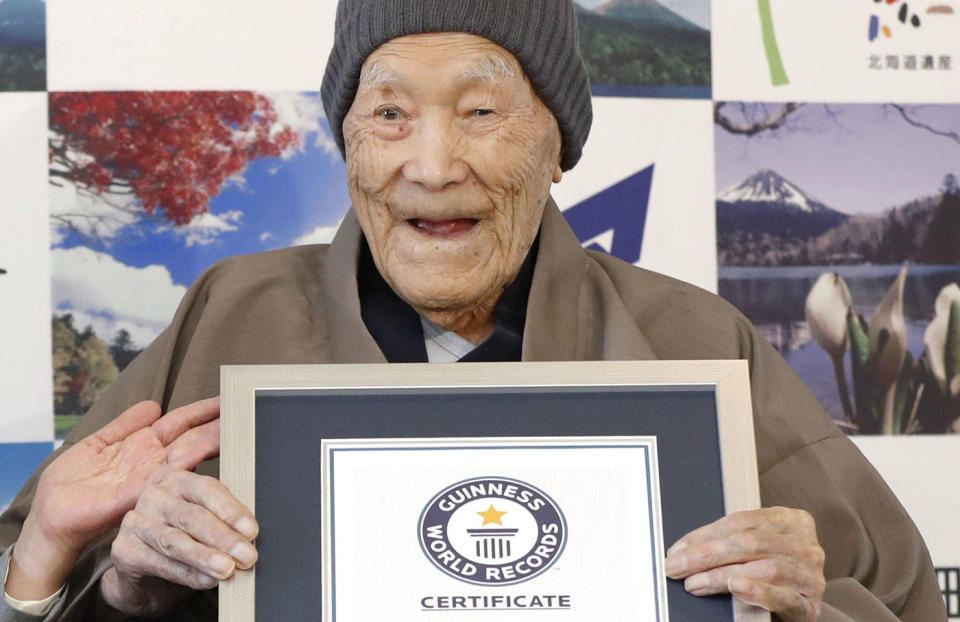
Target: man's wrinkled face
column 450, row 156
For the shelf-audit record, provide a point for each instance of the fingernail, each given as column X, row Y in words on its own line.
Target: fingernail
column 679, row 545
column 674, row 565
column 207, row 583
column 248, row 527
column 221, row 565
column 695, row 583
column 244, row 553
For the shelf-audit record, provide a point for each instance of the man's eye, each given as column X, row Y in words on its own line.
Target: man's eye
column 482, row 112
column 390, row 114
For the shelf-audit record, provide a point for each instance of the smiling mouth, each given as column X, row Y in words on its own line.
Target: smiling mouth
column 443, row 228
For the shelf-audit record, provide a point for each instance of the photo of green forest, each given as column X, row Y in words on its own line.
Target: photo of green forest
column 23, row 45
column 647, row 48
column 83, row 366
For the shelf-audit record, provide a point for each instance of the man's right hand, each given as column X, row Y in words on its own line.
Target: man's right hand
column 86, row 491
column 186, row 530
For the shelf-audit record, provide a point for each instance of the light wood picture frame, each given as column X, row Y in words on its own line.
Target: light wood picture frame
column 725, row 384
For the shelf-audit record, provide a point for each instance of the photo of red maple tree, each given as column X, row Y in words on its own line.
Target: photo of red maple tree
column 169, row 151
column 148, row 189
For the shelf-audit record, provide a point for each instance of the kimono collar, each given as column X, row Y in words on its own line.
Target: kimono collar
column 396, row 328
column 565, row 320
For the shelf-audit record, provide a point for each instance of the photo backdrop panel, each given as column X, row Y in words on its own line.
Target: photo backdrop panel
column 23, row 53
column 634, row 48
column 179, row 44
column 131, row 233
column 822, row 50
column 17, row 463
column 25, row 381
column 643, row 189
column 849, row 265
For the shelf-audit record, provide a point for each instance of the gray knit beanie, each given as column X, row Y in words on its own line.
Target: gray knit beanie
column 542, row 34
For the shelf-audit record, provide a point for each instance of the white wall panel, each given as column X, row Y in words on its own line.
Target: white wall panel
column 676, row 136
column 187, row 45
column 923, row 471
column 26, row 379
column 826, row 52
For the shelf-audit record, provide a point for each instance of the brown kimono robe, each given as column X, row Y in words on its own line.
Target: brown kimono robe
column 300, row 305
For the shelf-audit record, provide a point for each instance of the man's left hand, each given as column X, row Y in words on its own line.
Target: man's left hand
column 769, row 557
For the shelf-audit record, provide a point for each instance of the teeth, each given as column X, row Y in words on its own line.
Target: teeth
column 443, row 227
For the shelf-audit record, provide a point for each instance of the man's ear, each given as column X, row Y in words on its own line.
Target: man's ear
column 557, row 174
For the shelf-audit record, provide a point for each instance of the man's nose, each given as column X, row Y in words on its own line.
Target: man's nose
column 436, row 157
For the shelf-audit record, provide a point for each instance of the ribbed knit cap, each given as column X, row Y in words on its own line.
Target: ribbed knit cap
column 542, row 34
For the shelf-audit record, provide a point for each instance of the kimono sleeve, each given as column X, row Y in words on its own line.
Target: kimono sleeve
column 149, row 377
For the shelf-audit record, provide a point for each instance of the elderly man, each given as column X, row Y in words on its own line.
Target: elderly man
column 455, row 118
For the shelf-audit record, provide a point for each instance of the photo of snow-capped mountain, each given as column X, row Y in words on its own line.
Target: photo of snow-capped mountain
column 851, row 210
column 767, row 220
column 768, row 204
column 769, row 187
column 790, row 194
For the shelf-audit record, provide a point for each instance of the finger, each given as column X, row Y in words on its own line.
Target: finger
column 737, row 548
column 149, row 563
column 194, row 446
column 742, row 537
column 774, row 572
column 216, row 497
column 789, row 604
column 137, row 417
column 200, row 524
column 711, row 582
column 774, row 519
column 204, row 491
column 145, row 548
column 178, row 421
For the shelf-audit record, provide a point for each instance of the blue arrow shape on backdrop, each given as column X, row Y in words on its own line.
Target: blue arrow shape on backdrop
column 621, row 208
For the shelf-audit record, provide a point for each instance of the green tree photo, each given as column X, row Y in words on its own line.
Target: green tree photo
column 83, row 368
column 641, row 42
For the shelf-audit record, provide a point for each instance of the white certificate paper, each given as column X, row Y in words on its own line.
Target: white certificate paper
column 565, row 529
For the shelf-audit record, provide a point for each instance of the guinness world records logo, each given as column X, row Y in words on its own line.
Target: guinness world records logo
column 492, row 531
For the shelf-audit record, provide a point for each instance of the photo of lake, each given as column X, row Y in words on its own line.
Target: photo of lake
column 861, row 191
column 773, row 299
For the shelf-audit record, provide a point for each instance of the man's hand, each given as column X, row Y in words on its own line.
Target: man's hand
column 86, row 491
column 186, row 530
column 769, row 557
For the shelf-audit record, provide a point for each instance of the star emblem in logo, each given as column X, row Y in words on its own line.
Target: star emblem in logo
column 491, row 516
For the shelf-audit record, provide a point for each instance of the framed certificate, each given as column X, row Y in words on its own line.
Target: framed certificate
column 477, row 491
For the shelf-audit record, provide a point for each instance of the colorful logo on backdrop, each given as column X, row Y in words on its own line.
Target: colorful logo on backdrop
column 900, row 13
column 891, row 19
column 492, row 531
column 613, row 220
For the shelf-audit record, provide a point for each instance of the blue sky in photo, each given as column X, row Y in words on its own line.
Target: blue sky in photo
column 17, row 463
column 22, row 22
column 283, row 198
